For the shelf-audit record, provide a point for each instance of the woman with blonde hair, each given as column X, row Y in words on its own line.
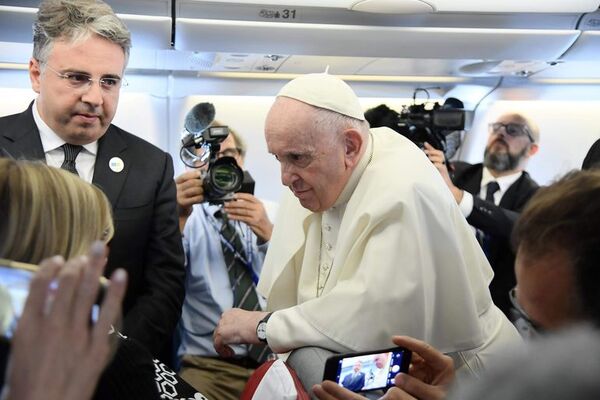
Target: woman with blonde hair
column 46, row 211
column 48, row 215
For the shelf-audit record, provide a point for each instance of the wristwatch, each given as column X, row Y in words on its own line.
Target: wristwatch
column 261, row 328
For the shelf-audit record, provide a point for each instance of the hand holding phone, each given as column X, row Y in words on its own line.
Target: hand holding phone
column 15, row 279
column 56, row 353
column 367, row 371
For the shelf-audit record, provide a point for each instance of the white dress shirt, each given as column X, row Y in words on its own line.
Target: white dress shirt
column 51, row 142
column 466, row 203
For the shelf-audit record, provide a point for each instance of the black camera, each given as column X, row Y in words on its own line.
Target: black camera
column 431, row 123
column 201, row 145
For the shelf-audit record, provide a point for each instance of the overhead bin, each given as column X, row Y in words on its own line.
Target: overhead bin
column 360, row 41
column 148, row 20
column 412, row 6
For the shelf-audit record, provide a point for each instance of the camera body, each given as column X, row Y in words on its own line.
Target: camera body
column 438, row 125
column 223, row 176
column 431, row 125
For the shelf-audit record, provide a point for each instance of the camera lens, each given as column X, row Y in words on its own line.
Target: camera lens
column 225, row 176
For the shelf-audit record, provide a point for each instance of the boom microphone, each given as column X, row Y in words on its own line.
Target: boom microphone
column 199, row 118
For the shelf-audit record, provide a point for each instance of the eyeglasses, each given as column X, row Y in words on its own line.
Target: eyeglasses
column 79, row 80
column 512, row 129
column 521, row 319
column 231, row 152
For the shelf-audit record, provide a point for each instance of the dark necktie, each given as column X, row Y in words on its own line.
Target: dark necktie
column 491, row 189
column 71, row 152
column 244, row 290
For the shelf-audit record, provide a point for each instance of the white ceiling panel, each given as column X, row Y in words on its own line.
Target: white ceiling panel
column 362, row 41
column 336, row 65
column 586, row 48
column 571, row 69
column 149, row 32
column 414, row 67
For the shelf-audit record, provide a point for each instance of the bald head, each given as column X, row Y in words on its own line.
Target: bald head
column 522, row 119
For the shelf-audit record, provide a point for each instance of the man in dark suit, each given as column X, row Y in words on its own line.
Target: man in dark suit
column 355, row 380
column 492, row 194
column 80, row 53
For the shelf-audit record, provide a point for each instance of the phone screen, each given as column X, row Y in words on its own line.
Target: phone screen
column 366, row 371
column 14, row 287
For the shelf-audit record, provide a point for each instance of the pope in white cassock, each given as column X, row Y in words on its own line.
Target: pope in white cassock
column 369, row 242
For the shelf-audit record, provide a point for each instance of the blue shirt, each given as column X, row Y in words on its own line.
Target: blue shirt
column 208, row 291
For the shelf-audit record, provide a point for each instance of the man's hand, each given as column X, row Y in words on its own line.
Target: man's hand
column 189, row 192
column 430, row 374
column 236, row 326
column 439, row 161
column 250, row 210
column 57, row 353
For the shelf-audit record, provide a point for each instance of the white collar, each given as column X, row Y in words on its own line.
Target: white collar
column 50, row 140
column 504, row 182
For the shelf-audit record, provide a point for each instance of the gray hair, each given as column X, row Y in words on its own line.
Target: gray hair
column 76, row 20
column 331, row 121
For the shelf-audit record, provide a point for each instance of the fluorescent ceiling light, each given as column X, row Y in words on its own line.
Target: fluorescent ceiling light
column 419, row 29
column 26, row 10
column 356, row 78
column 143, row 17
column 566, row 81
column 14, row 66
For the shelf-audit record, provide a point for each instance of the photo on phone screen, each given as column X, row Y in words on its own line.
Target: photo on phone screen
column 360, row 372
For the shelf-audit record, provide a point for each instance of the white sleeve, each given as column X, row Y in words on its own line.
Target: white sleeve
column 288, row 329
column 466, row 204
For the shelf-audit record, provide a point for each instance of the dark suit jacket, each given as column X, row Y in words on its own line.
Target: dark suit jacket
column 354, row 384
column 147, row 242
column 496, row 221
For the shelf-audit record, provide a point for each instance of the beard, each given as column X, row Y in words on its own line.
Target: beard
column 503, row 161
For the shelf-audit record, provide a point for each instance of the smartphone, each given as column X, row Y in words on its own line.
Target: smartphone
column 369, row 370
column 15, row 278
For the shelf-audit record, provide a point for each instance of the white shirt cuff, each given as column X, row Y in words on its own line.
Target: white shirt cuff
column 466, row 204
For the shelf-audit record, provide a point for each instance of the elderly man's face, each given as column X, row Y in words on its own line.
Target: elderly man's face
column 79, row 114
column 313, row 163
column 380, row 360
column 504, row 152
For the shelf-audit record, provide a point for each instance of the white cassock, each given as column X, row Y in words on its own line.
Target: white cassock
column 394, row 256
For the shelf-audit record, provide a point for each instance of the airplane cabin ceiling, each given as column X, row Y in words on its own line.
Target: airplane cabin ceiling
column 483, row 39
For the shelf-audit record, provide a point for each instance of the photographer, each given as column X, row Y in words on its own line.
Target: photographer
column 492, row 194
column 217, row 239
